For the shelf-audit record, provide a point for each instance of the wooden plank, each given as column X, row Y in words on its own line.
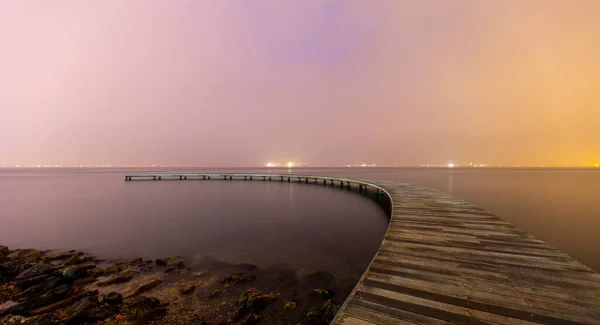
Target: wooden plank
column 385, row 315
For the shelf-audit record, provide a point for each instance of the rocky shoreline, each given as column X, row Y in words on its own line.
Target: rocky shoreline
column 44, row 287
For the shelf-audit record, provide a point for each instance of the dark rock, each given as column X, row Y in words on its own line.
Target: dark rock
column 169, row 270
column 239, row 313
column 19, row 309
column 255, row 300
column 75, row 259
column 21, row 254
column 246, row 295
column 215, row 293
column 84, row 281
column 15, row 267
column 323, row 293
column 112, row 298
column 135, row 261
column 3, row 252
column 88, row 310
column 114, row 268
column 238, row 278
column 146, row 286
column 13, row 320
column 95, row 272
column 290, row 305
column 38, row 269
column 177, row 260
column 260, row 302
column 329, row 310
column 119, row 278
column 26, row 283
column 46, row 285
column 315, row 318
column 65, row 302
column 58, row 256
column 252, row 319
column 144, row 302
column 53, row 295
column 145, row 316
column 187, row 288
column 39, row 320
column 72, row 273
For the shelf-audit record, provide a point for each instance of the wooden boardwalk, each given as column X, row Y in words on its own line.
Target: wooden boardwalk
column 444, row 261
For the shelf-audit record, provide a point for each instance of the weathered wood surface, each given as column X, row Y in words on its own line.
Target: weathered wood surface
column 444, row 261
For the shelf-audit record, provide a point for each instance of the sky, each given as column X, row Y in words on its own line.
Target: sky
column 229, row 83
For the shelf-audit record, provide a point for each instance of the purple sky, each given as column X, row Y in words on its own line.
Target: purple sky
column 324, row 82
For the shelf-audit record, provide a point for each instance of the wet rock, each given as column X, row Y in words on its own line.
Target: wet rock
column 260, row 302
column 239, row 313
column 329, row 310
column 169, row 270
column 50, row 297
column 187, row 288
column 290, row 305
column 3, row 252
column 247, row 294
column 46, row 285
column 215, row 293
column 95, row 272
column 252, row 319
column 112, row 298
column 75, row 259
column 146, row 286
column 177, row 260
column 84, row 281
column 12, row 320
column 323, row 293
column 15, row 267
column 114, row 268
column 21, row 254
column 39, row 320
column 255, row 300
column 53, row 295
column 145, row 316
column 238, row 278
column 38, row 269
column 26, row 283
column 72, row 273
column 314, row 318
column 19, row 309
column 58, row 256
column 88, row 310
column 135, row 261
column 144, row 302
column 64, row 302
column 119, row 278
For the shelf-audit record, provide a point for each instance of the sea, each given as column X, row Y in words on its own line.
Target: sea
column 305, row 227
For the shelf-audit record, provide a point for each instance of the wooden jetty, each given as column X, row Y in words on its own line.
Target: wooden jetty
column 445, row 261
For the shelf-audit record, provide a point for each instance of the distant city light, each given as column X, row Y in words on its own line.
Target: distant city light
column 290, row 164
column 270, row 164
column 450, row 165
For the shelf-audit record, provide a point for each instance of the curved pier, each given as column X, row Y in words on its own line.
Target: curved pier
column 443, row 261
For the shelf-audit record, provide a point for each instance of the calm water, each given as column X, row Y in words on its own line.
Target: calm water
column 305, row 226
